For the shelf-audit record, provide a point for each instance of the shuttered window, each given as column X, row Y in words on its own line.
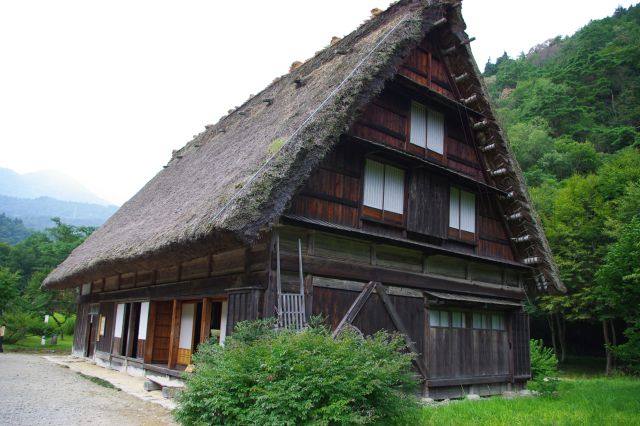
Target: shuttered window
column 435, row 131
column 418, row 134
column 427, row 128
column 383, row 187
column 462, row 213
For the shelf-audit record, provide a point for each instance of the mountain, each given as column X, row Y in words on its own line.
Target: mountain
column 46, row 183
column 37, row 213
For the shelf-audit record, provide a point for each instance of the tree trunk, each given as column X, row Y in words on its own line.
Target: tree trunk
column 561, row 336
column 614, row 342
column 553, row 333
column 607, row 342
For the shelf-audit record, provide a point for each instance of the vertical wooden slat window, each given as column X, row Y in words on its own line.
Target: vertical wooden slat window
column 458, row 319
column 393, row 189
column 497, row 322
column 373, row 184
column 418, row 135
column 435, row 131
column 383, row 191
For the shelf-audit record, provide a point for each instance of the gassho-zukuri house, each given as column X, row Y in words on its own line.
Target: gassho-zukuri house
column 372, row 185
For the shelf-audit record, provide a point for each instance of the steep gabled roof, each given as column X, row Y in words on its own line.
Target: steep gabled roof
column 239, row 175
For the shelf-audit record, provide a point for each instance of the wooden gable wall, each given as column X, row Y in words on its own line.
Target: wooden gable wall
column 334, row 193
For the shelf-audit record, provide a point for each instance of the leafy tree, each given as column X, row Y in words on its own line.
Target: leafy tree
column 8, row 287
column 12, row 231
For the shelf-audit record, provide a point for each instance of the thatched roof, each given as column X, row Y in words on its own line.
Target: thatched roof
column 238, row 175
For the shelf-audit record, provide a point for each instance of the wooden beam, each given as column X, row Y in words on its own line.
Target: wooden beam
column 352, row 271
column 151, row 330
column 174, row 338
column 397, row 321
column 355, row 307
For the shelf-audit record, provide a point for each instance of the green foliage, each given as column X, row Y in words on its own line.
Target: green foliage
column 12, row 231
column 629, row 353
column 544, row 368
column 8, row 287
column 266, row 377
column 23, row 266
column 599, row 401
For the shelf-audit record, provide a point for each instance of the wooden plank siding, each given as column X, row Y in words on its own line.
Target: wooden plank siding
column 81, row 332
column 334, row 192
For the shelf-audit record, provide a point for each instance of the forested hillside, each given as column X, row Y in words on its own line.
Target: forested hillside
column 571, row 108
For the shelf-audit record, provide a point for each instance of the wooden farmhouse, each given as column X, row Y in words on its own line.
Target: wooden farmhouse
column 372, row 185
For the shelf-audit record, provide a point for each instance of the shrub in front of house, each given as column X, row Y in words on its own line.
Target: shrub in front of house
column 544, row 369
column 265, row 377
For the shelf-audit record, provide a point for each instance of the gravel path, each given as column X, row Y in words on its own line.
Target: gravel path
column 34, row 391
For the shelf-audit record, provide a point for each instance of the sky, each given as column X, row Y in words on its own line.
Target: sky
column 103, row 91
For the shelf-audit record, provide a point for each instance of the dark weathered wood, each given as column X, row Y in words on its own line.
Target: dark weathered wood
column 175, row 333
column 151, row 328
column 397, row 321
column 344, row 270
column 428, row 204
column 468, row 380
column 210, row 287
column 205, row 324
column 355, row 307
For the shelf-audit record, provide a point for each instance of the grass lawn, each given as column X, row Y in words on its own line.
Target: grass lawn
column 589, row 401
column 32, row 344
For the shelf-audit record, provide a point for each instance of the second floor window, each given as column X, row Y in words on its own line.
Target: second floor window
column 427, row 128
column 384, row 188
column 462, row 214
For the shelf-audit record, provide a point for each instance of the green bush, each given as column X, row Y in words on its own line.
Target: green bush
column 628, row 353
column 544, row 368
column 262, row 376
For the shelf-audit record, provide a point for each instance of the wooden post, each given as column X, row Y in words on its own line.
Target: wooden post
column 174, row 339
column 151, row 329
column 308, row 296
column 205, row 325
column 427, row 346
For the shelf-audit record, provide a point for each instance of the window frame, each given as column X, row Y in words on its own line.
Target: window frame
column 426, row 151
column 456, row 232
column 383, row 215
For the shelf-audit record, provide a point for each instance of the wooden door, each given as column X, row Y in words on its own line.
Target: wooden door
column 92, row 328
column 162, row 332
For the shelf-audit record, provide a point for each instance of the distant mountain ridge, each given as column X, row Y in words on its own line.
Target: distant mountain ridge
column 46, row 183
column 37, row 213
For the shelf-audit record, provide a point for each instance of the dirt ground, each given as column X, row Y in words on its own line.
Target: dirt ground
column 34, row 391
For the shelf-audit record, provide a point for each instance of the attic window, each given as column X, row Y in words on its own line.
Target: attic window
column 427, row 128
column 462, row 214
column 383, row 192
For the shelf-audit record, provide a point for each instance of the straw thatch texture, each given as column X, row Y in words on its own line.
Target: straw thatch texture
column 238, row 176
column 205, row 198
